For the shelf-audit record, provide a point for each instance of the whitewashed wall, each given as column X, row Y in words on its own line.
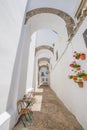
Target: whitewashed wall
column 47, row 22
column 31, row 60
column 72, row 96
column 12, row 14
column 34, row 75
column 11, row 19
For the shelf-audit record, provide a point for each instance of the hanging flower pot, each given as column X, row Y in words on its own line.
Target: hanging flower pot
column 78, row 68
column 75, row 65
column 80, row 84
column 84, row 78
column 82, row 75
column 74, row 77
column 70, row 76
column 82, row 56
column 76, row 55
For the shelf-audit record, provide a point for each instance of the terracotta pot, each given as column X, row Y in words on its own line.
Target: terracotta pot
column 78, row 68
column 80, row 84
column 84, row 78
column 82, row 56
column 74, row 77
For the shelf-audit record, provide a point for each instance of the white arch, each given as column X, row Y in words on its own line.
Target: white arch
column 49, row 21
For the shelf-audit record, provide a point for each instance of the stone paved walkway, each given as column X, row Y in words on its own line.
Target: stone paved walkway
column 49, row 113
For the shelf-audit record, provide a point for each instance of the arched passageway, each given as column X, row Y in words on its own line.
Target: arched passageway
column 53, row 22
column 24, row 64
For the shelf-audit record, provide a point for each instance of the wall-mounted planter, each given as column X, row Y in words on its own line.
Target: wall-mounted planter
column 79, row 75
column 80, row 84
column 78, row 68
column 74, row 77
column 82, row 56
column 78, row 55
column 84, row 78
column 74, row 65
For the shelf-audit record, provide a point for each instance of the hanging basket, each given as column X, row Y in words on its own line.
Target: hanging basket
column 82, row 56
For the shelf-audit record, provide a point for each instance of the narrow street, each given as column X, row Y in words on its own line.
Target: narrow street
column 49, row 113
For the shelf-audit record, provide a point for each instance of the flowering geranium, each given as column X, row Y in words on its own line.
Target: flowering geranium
column 74, row 64
column 70, row 76
column 81, row 74
column 76, row 55
column 79, row 81
column 74, row 77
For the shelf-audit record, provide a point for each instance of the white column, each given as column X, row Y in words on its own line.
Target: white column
column 37, row 72
column 24, row 64
column 31, row 57
column 34, row 74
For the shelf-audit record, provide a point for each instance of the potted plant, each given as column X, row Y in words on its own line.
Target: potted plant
column 74, row 77
column 82, row 75
column 70, row 76
column 76, row 55
column 75, row 65
column 82, row 56
column 80, row 83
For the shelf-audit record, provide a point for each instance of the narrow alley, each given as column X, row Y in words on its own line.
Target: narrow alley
column 49, row 113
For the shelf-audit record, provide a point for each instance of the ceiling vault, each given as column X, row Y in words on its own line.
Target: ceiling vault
column 67, row 18
column 44, row 47
column 43, row 59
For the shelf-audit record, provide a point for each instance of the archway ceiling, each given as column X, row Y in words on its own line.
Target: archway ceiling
column 43, row 63
column 43, row 59
column 44, row 47
column 44, row 54
column 68, row 6
column 46, row 35
column 68, row 19
column 46, row 66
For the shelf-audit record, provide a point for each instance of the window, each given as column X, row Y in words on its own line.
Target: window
column 42, row 73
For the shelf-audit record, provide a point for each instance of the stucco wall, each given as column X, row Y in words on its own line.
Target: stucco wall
column 72, row 96
column 11, row 19
column 31, row 59
column 12, row 15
